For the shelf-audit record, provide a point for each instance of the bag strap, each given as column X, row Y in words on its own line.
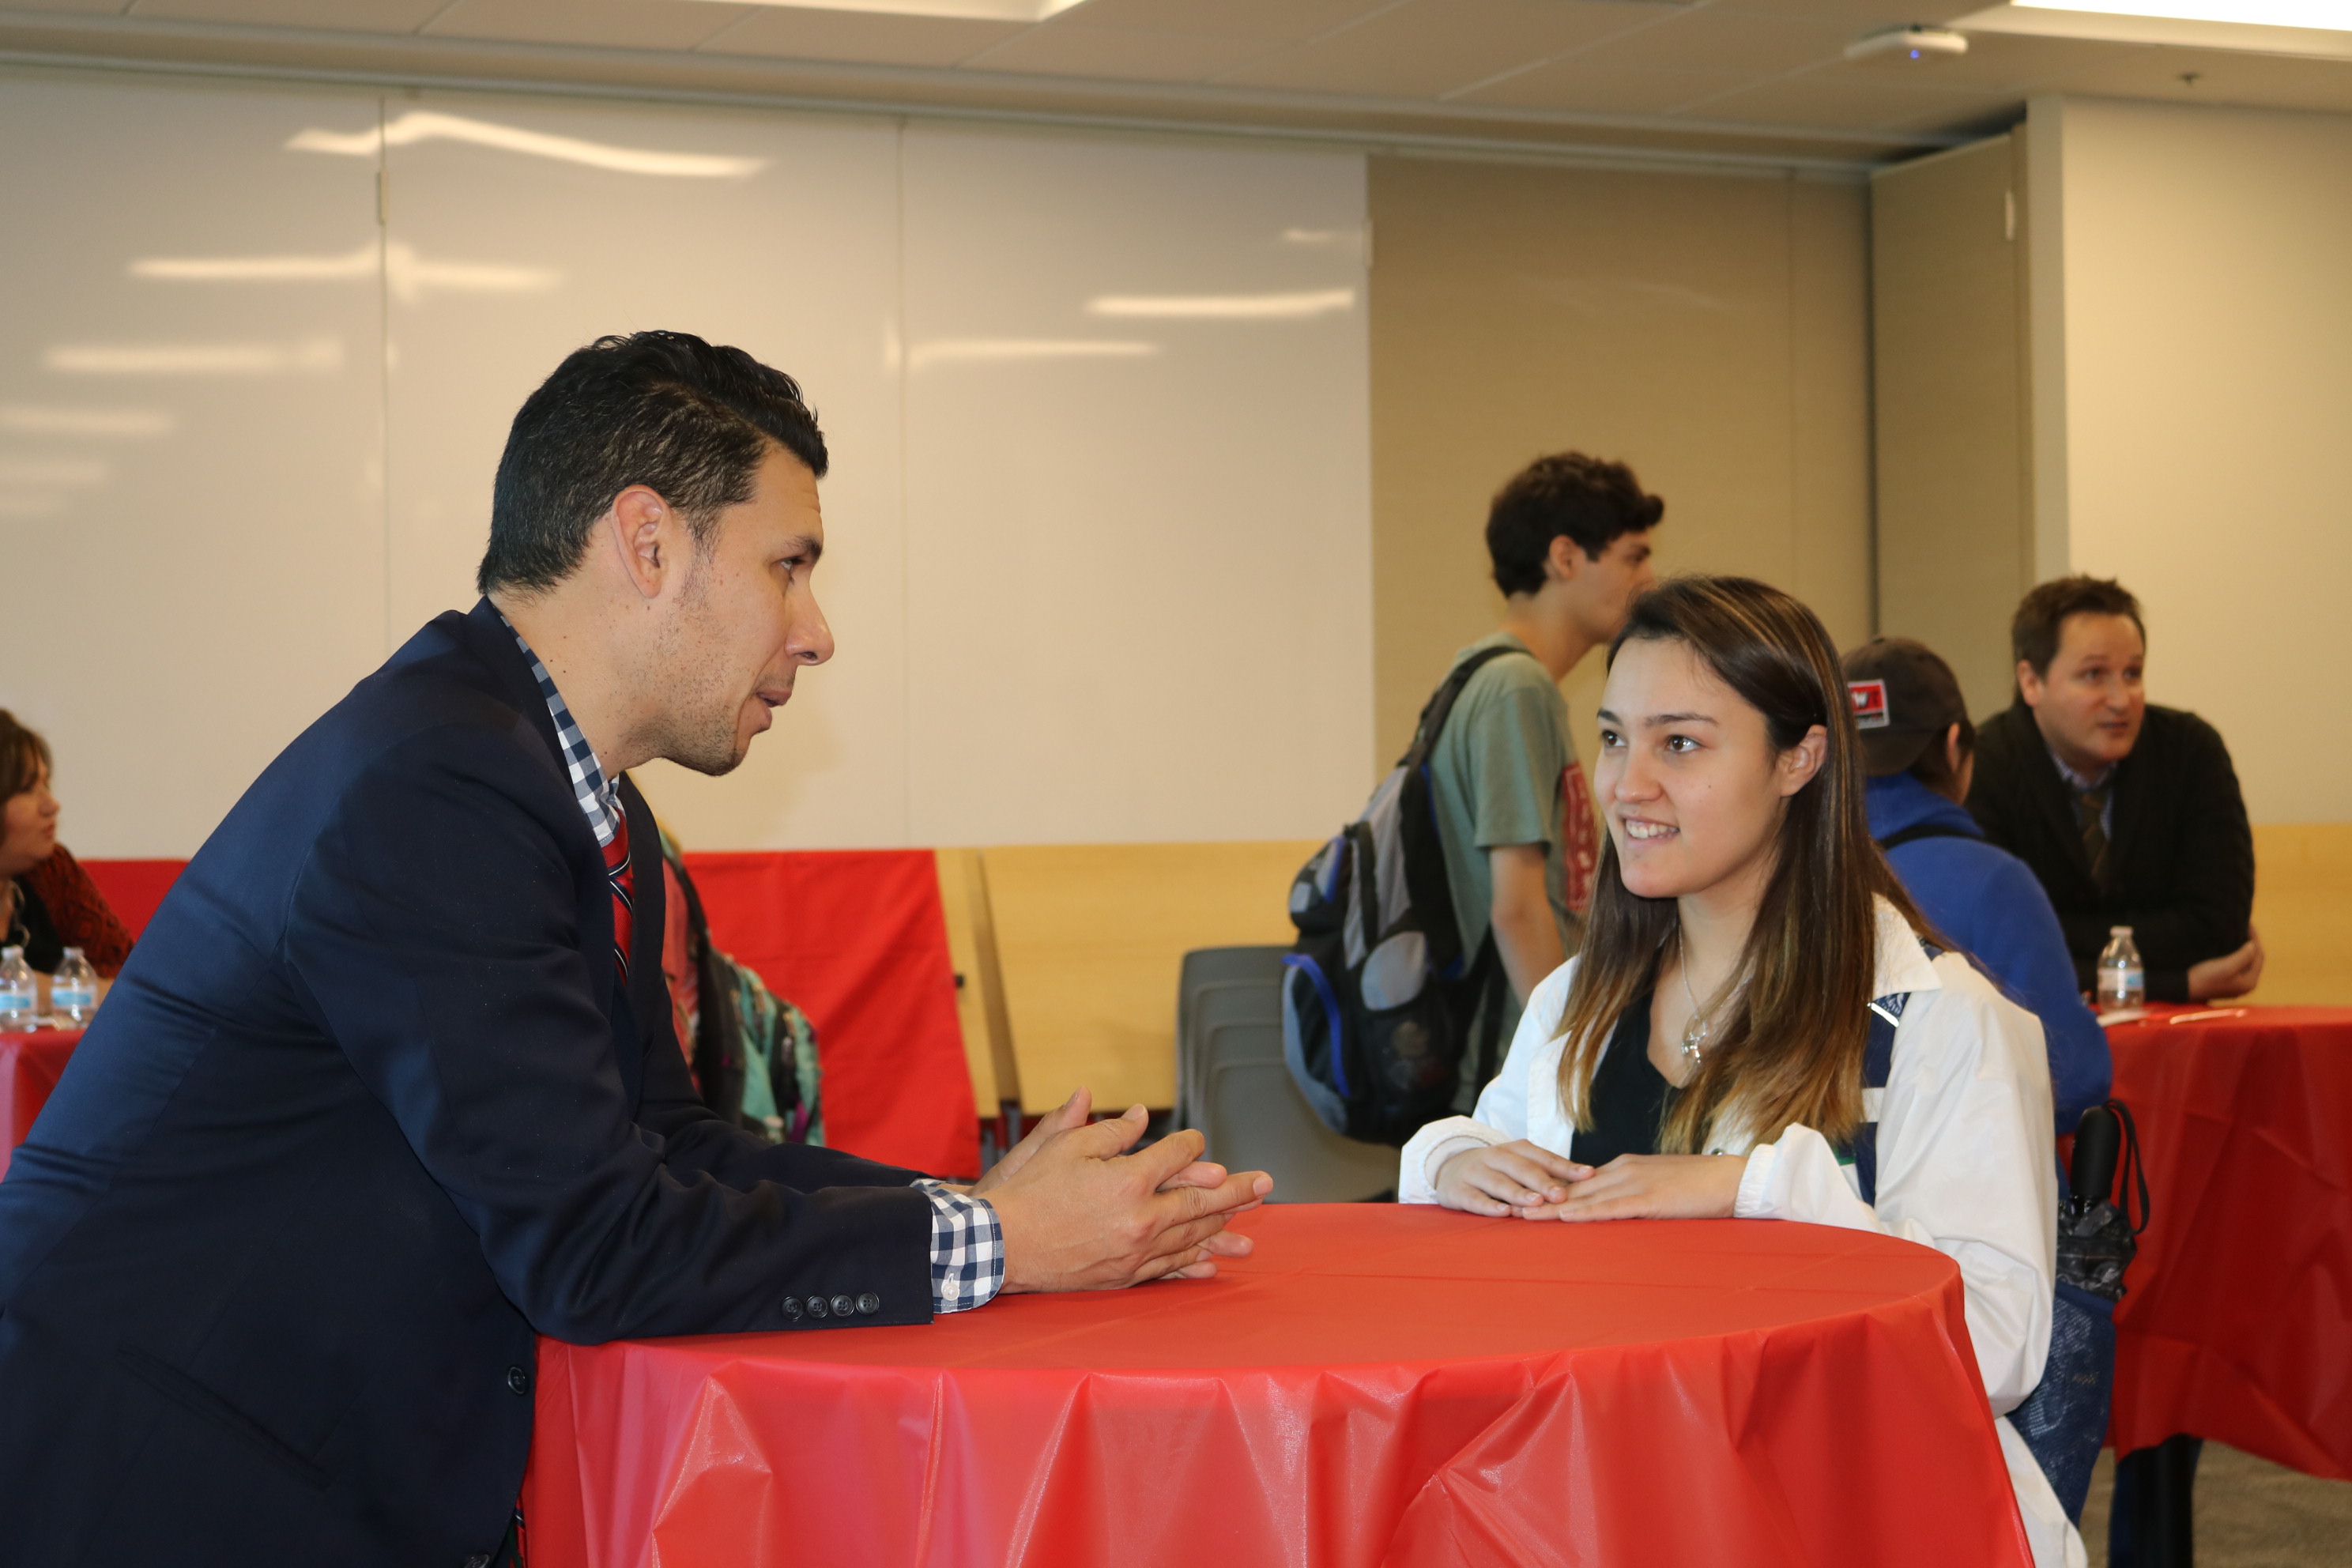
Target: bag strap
column 1919, row 830
column 1440, row 706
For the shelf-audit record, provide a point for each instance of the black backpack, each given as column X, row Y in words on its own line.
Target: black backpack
column 1376, row 1003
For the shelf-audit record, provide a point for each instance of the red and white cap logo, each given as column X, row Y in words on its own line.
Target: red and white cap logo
column 1869, row 703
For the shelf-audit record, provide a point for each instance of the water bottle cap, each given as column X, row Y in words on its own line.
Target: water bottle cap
column 76, row 953
column 2112, row 930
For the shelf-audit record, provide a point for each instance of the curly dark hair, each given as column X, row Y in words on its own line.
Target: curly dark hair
column 1588, row 498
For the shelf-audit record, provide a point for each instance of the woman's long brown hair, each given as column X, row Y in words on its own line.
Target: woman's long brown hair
column 1791, row 1049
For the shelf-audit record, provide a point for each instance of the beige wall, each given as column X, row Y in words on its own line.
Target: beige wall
column 2207, row 361
column 1710, row 331
column 1949, row 358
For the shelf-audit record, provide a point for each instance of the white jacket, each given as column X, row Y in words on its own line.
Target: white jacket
column 1964, row 1166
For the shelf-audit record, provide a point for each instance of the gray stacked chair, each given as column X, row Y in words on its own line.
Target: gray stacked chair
column 1233, row 1085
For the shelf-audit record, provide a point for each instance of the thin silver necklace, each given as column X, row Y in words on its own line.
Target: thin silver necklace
column 1696, row 1032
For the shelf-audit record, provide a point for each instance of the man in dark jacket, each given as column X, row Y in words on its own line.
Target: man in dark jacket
column 390, row 1085
column 2129, row 814
column 1920, row 748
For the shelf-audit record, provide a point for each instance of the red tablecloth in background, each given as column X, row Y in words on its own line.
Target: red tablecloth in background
column 1378, row 1382
column 135, row 890
column 855, row 938
column 30, row 1065
column 2237, row 1324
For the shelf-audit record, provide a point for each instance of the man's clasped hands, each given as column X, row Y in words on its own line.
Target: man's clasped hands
column 1079, row 1212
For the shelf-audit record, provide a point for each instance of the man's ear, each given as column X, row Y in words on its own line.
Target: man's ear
column 643, row 529
column 1565, row 559
column 2029, row 685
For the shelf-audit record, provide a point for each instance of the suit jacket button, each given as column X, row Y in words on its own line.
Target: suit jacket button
column 842, row 1306
column 517, row 1381
column 793, row 1308
column 817, row 1308
column 869, row 1302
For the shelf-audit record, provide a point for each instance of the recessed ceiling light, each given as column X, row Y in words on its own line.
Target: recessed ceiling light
column 2320, row 27
column 970, row 10
column 2331, row 15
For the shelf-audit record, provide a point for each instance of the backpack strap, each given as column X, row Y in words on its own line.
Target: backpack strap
column 1877, row 1062
column 1919, row 830
column 1440, row 706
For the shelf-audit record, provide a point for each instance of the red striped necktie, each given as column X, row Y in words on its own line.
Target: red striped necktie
column 624, row 885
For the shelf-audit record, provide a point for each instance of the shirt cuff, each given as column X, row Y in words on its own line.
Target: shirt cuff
column 967, row 1249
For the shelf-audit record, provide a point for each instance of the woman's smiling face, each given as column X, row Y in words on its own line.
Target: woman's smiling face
column 1690, row 782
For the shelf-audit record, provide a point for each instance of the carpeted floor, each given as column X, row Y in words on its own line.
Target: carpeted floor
column 2251, row 1513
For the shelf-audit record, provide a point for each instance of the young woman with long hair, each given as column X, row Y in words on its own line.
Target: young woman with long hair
column 1703, row 1056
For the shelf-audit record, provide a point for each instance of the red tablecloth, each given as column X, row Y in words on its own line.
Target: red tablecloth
column 1378, row 1384
column 29, row 1067
column 2237, row 1324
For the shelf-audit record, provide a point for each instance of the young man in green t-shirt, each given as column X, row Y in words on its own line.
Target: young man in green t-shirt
column 1569, row 540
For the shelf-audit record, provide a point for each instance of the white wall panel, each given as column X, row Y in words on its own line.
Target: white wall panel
column 1139, row 513
column 191, row 511
column 2208, row 390
column 520, row 232
column 1098, row 539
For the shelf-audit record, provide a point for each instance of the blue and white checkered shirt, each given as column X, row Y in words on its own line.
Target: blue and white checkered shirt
column 967, row 1242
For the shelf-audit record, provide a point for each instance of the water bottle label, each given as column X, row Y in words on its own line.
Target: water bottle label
column 15, row 1004
column 63, row 997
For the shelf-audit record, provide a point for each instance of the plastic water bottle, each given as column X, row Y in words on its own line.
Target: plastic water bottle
column 19, row 993
column 73, row 990
column 2122, row 981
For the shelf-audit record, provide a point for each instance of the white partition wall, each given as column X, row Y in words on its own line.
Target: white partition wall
column 530, row 229
column 191, row 444
column 1098, row 556
column 1138, row 594
column 2199, row 359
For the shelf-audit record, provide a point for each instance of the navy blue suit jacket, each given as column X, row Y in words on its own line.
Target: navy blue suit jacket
column 368, row 1107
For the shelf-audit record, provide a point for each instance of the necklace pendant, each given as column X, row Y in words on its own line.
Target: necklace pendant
column 1695, row 1044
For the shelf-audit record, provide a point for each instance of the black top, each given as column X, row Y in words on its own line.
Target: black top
column 2181, row 859
column 31, row 929
column 1630, row 1095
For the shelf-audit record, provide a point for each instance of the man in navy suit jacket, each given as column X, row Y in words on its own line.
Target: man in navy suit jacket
column 390, row 1084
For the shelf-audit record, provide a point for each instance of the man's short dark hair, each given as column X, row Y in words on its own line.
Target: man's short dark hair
column 689, row 420
column 1590, row 500
column 2041, row 619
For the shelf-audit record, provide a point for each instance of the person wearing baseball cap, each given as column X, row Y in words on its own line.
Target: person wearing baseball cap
column 1919, row 748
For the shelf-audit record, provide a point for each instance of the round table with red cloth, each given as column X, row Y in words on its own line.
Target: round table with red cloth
column 2237, row 1321
column 1377, row 1384
column 30, row 1066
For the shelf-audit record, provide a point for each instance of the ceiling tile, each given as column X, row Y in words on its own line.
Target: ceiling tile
column 1275, row 21
column 867, row 37
column 1426, row 48
column 2223, row 77
column 611, row 24
column 1118, row 52
column 1715, row 40
column 1858, row 15
column 1571, row 86
column 1817, row 98
column 337, row 16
